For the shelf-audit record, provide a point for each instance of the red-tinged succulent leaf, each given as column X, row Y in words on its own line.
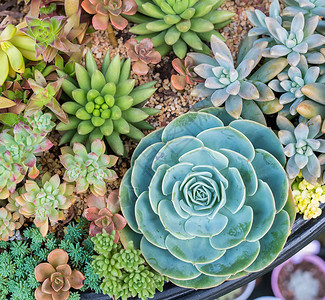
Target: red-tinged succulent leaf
column 130, row 7
column 94, row 230
column 64, row 269
column 61, row 295
column 97, row 202
column 113, row 202
column 179, row 67
column 140, row 68
column 100, row 22
column 91, row 213
column 101, row 9
column 105, row 212
column 39, row 295
column 88, row 7
column 47, row 286
column 57, row 281
column 155, row 57
column 178, row 82
column 6, row 103
column 43, row 271
column 118, row 22
column 58, row 257
column 119, row 222
column 76, row 280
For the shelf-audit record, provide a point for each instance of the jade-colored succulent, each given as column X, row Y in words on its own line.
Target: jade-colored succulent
column 186, row 74
column 109, row 11
column 56, row 277
column 14, row 47
column 308, row 197
column 45, row 95
column 103, row 212
column 50, row 35
column 105, row 104
column 177, row 24
column 301, row 143
column 46, row 202
column 142, row 53
column 208, row 196
column 88, row 169
column 290, row 84
column 225, row 84
column 22, row 144
column 123, row 271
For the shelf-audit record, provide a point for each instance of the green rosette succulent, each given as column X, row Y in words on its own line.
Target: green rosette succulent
column 105, row 103
column 177, row 24
column 46, row 202
column 88, row 169
column 41, row 123
column 207, row 196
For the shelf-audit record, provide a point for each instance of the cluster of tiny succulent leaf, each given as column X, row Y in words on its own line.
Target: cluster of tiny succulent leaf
column 19, row 257
column 123, row 270
column 308, row 197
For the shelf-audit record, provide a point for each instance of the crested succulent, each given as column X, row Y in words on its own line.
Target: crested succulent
column 297, row 42
column 142, row 54
column 178, row 24
column 109, row 11
column 290, row 84
column 186, row 74
column 300, row 144
column 105, row 104
column 103, row 214
column 44, row 95
column 50, row 35
column 46, row 202
column 225, row 84
column 14, row 46
column 198, row 194
column 56, row 277
column 22, row 144
column 88, row 169
column 123, row 271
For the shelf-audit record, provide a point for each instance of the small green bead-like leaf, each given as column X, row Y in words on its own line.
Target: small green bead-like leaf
column 82, row 114
column 188, row 13
column 85, row 127
column 109, row 100
column 92, row 95
column 172, row 19
column 106, row 114
column 97, row 121
column 116, row 113
column 90, row 106
column 184, row 25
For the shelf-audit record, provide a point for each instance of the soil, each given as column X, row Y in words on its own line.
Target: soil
column 287, row 272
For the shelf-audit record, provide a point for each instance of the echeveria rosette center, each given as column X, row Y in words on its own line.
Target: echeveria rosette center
column 88, row 169
column 295, row 43
column 105, row 104
column 301, row 143
column 208, row 194
column 225, row 84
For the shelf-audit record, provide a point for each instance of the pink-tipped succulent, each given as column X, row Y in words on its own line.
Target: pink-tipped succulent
column 106, row 11
column 56, row 277
column 142, row 54
column 8, row 223
column 103, row 214
column 185, row 69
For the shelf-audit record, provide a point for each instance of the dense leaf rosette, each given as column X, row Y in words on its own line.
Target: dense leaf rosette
column 208, row 195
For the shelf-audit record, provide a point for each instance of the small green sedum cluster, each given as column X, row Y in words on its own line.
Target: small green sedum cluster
column 105, row 104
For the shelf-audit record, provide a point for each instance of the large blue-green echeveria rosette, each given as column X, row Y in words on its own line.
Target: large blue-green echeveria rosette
column 208, row 197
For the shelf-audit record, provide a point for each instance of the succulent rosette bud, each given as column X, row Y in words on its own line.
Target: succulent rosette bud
column 8, row 223
column 112, row 11
column 56, row 277
column 41, row 123
column 210, row 198
column 103, row 214
column 46, row 203
column 88, row 169
column 105, row 104
column 142, row 54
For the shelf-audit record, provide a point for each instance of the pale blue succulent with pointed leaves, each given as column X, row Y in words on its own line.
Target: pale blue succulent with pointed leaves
column 307, row 7
column 257, row 18
column 225, row 84
column 290, row 84
column 207, row 196
column 298, row 41
column 301, row 143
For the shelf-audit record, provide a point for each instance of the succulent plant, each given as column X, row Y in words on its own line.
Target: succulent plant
column 142, row 54
column 105, row 104
column 22, row 144
column 46, row 202
column 45, row 94
column 186, row 74
column 290, row 84
column 103, row 214
column 307, row 7
column 56, row 277
column 198, row 194
column 9, row 110
column 112, row 11
column 88, row 169
column 300, row 144
column 50, row 35
column 14, row 46
column 41, row 123
column 8, row 224
column 295, row 43
column 179, row 24
column 225, row 84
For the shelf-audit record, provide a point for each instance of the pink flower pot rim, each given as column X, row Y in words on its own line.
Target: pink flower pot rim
column 319, row 262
